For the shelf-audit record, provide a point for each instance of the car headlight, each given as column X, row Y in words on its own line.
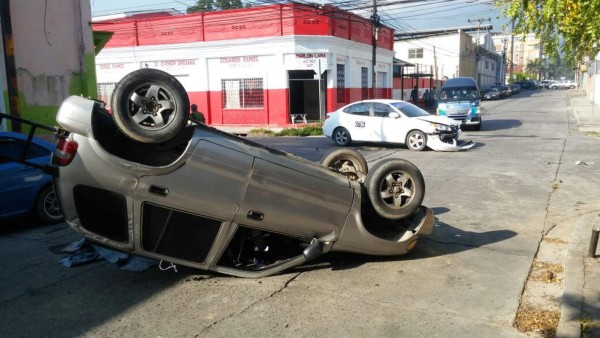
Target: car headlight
column 441, row 127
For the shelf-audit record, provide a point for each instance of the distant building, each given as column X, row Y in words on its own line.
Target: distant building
column 447, row 53
column 520, row 51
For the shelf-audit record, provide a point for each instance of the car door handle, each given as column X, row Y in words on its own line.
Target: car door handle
column 158, row 190
column 255, row 215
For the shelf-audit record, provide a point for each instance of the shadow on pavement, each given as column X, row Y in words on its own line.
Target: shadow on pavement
column 497, row 124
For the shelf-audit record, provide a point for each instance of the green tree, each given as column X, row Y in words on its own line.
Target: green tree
column 201, row 6
column 567, row 27
column 229, row 4
column 214, row 5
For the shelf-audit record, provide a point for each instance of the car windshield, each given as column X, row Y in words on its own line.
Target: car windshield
column 456, row 94
column 409, row 109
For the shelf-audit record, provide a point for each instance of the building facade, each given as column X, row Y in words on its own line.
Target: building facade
column 254, row 66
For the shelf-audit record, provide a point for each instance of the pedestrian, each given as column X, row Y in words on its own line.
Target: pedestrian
column 414, row 96
column 196, row 115
column 427, row 99
column 434, row 97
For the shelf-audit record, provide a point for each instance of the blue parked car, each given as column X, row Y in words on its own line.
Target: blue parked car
column 25, row 189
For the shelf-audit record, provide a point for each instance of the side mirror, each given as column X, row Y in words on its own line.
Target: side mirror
column 394, row 115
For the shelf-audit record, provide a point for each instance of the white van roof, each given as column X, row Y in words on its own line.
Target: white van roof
column 460, row 82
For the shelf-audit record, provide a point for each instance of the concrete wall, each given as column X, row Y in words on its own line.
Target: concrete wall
column 54, row 55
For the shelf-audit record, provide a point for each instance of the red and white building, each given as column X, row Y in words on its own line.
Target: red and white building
column 254, row 66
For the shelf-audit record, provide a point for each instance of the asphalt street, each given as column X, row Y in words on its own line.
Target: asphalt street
column 523, row 182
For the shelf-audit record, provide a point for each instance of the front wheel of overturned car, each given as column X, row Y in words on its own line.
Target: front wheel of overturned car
column 341, row 137
column 396, row 188
column 416, row 140
column 150, row 106
column 347, row 162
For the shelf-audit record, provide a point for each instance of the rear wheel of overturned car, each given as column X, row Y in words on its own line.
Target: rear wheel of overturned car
column 46, row 206
column 347, row 162
column 396, row 188
column 341, row 137
column 416, row 140
column 150, row 106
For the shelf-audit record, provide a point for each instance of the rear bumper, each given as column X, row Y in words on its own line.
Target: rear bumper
column 356, row 238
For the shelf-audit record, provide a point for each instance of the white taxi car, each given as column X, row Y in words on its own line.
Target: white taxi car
column 393, row 121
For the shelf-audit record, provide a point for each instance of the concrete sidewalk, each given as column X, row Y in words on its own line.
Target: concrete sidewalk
column 580, row 310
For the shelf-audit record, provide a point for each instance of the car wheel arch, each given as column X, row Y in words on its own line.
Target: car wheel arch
column 341, row 136
column 416, row 131
column 47, row 211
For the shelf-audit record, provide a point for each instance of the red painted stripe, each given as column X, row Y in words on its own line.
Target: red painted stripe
column 276, row 20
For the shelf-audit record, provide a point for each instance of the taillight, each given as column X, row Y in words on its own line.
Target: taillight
column 65, row 152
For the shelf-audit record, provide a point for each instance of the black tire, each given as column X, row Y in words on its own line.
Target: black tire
column 341, row 137
column 347, row 162
column 416, row 140
column 46, row 206
column 150, row 106
column 477, row 127
column 396, row 188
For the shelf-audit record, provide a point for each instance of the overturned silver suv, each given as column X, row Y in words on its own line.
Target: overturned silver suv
column 142, row 180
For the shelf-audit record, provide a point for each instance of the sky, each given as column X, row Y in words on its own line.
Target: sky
column 402, row 15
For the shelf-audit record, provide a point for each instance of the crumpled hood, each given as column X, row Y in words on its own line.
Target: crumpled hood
column 439, row 119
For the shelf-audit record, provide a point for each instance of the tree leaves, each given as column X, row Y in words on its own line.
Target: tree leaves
column 567, row 27
column 214, row 5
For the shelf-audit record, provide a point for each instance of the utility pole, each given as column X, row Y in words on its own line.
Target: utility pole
column 376, row 22
column 512, row 46
column 477, row 54
column 504, row 41
column 540, row 64
column 435, row 68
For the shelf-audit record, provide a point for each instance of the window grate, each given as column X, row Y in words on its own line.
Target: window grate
column 242, row 93
column 341, row 84
column 364, row 82
column 105, row 91
column 415, row 53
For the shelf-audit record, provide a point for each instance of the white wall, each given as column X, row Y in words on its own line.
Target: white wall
column 274, row 56
column 444, row 49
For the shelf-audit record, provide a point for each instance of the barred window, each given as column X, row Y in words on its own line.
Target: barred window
column 381, row 79
column 341, row 84
column 415, row 53
column 105, row 91
column 242, row 93
column 364, row 82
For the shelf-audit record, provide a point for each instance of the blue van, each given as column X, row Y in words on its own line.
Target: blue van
column 459, row 100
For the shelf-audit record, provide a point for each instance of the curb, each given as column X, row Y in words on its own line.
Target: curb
column 572, row 297
column 575, row 111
